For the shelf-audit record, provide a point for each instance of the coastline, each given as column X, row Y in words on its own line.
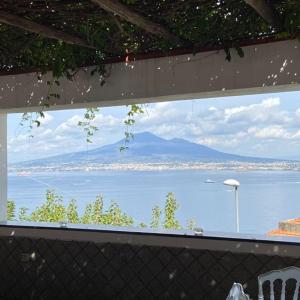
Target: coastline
column 233, row 166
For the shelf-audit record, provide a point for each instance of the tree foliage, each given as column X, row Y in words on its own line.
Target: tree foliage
column 171, row 207
column 54, row 209
column 156, row 216
column 196, row 22
column 11, row 211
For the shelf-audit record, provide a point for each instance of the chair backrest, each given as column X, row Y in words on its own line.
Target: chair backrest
column 283, row 275
column 237, row 293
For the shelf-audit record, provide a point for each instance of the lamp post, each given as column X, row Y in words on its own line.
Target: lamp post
column 235, row 184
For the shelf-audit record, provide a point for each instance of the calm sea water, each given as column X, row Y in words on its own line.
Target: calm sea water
column 266, row 197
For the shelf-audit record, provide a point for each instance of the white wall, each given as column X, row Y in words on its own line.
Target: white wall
column 3, row 167
column 265, row 68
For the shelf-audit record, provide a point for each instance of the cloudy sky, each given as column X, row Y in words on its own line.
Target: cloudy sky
column 261, row 125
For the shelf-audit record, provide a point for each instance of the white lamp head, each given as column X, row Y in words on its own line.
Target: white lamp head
column 232, row 182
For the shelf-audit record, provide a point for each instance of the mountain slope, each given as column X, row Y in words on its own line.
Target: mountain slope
column 145, row 148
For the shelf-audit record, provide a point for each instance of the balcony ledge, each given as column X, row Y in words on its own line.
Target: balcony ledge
column 210, row 240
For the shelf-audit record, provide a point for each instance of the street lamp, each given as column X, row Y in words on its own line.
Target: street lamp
column 235, row 184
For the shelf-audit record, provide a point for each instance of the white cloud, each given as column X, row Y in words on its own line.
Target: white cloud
column 270, row 132
column 69, row 127
column 160, row 113
column 233, row 128
column 245, row 129
column 64, row 137
column 274, row 132
column 219, row 141
column 266, row 111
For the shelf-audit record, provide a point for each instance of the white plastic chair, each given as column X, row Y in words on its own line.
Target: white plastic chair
column 237, row 293
column 283, row 275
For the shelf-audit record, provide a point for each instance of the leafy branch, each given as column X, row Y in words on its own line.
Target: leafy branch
column 130, row 121
column 33, row 119
column 87, row 123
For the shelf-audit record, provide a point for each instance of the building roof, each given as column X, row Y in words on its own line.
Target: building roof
column 287, row 228
column 278, row 232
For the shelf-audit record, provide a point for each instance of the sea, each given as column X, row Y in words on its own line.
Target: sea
column 265, row 197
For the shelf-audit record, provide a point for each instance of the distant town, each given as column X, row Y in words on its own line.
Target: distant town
column 238, row 166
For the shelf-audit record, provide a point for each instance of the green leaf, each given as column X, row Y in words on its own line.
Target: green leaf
column 240, row 51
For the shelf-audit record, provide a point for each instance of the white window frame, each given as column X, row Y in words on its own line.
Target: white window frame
column 266, row 68
column 3, row 167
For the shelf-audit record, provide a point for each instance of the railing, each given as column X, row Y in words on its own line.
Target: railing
column 45, row 261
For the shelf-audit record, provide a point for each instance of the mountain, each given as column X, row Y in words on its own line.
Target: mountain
column 145, row 148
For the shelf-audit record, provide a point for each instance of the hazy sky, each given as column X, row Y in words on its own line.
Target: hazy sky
column 261, row 125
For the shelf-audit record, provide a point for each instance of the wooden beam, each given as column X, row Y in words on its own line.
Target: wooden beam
column 42, row 30
column 267, row 12
column 127, row 14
